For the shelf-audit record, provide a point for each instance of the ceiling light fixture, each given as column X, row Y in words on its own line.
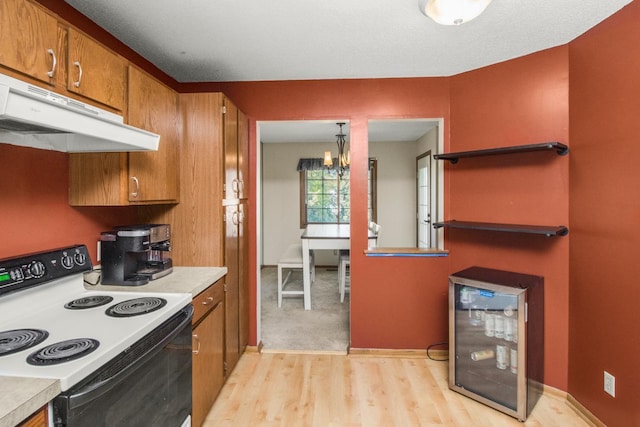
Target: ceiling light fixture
column 453, row 12
column 343, row 159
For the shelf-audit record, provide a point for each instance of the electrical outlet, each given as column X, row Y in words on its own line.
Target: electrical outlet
column 609, row 384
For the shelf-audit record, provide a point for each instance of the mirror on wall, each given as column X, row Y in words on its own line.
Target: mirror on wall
column 408, row 181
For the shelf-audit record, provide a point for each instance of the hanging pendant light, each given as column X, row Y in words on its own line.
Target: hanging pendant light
column 343, row 158
column 453, row 12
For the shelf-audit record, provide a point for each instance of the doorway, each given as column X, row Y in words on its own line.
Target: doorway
column 326, row 326
column 423, row 200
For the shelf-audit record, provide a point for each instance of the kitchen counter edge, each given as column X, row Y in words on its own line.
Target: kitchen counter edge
column 189, row 280
column 28, row 395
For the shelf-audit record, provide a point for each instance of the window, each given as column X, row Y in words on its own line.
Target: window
column 325, row 196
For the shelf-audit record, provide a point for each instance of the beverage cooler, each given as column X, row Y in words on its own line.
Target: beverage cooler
column 496, row 340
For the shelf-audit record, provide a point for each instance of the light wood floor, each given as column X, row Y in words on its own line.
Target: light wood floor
column 288, row 389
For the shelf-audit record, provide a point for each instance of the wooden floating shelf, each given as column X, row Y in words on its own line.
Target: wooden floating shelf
column 548, row 231
column 558, row 147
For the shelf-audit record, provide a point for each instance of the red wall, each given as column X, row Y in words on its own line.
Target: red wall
column 396, row 302
column 35, row 212
column 522, row 101
column 401, row 303
column 605, row 217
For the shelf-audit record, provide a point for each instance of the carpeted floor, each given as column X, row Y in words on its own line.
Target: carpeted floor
column 323, row 328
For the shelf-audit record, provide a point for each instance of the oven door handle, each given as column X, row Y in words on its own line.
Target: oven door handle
column 92, row 391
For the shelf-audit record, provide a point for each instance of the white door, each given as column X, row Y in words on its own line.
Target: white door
column 424, row 200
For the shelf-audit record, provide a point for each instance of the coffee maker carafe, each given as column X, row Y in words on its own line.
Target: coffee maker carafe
column 133, row 255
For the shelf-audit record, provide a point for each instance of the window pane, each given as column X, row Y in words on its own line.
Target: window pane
column 345, row 215
column 328, row 198
column 314, row 201
column 315, row 174
column 314, row 186
column 314, row 215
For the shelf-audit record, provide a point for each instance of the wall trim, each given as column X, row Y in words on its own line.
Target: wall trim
column 441, row 355
column 584, row 413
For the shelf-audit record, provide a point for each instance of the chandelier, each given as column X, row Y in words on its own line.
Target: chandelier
column 343, row 158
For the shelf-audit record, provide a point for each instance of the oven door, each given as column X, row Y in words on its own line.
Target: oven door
column 149, row 384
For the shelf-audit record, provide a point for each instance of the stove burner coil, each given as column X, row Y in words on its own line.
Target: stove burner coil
column 88, row 302
column 135, row 307
column 20, row 339
column 63, row 351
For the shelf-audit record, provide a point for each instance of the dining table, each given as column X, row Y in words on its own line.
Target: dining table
column 326, row 237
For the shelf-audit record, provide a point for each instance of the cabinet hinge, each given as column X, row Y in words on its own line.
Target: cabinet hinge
column 224, row 287
column 224, row 364
column 224, row 109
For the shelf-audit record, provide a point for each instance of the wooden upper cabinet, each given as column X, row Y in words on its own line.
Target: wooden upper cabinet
column 98, row 179
column 29, row 40
column 243, row 155
column 230, row 137
column 94, row 71
column 236, row 152
column 154, row 176
column 136, row 178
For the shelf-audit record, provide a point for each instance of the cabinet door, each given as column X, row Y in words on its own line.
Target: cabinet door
column 243, row 275
column 154, row 175
column 243, row 156
column 231, row 183
column 94, row 71
column 208, row 371
column 28, row 40
column 98, row 179
column 232, row 289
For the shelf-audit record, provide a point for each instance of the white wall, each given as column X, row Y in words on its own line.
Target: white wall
column 396, row 192
column 429, row 142
column 281, row 197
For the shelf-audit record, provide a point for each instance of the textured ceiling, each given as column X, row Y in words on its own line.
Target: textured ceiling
column 242, row 40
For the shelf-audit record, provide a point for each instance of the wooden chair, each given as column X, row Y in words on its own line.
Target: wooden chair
column 291, row 260
column 344, row 273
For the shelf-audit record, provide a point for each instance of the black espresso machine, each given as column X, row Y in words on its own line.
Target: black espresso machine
column 135, row 254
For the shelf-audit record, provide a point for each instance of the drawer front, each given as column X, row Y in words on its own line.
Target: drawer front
column 206, row 300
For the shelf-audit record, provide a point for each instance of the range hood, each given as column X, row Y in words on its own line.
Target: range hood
column 34, row 117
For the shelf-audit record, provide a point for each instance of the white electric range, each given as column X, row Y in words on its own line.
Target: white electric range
column 52, row 327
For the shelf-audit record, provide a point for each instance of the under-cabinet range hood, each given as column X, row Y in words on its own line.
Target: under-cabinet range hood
column 34, row 117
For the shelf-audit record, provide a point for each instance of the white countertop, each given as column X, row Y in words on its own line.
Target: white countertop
column 191, row 280
column 21, row 397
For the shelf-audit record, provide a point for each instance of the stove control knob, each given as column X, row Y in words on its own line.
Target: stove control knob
column 36, row 268
column 67, row 261
column 80, row 258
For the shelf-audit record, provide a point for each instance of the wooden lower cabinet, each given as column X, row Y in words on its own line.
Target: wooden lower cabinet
column 208, row 350
column 38, row 419
column 232, row 289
